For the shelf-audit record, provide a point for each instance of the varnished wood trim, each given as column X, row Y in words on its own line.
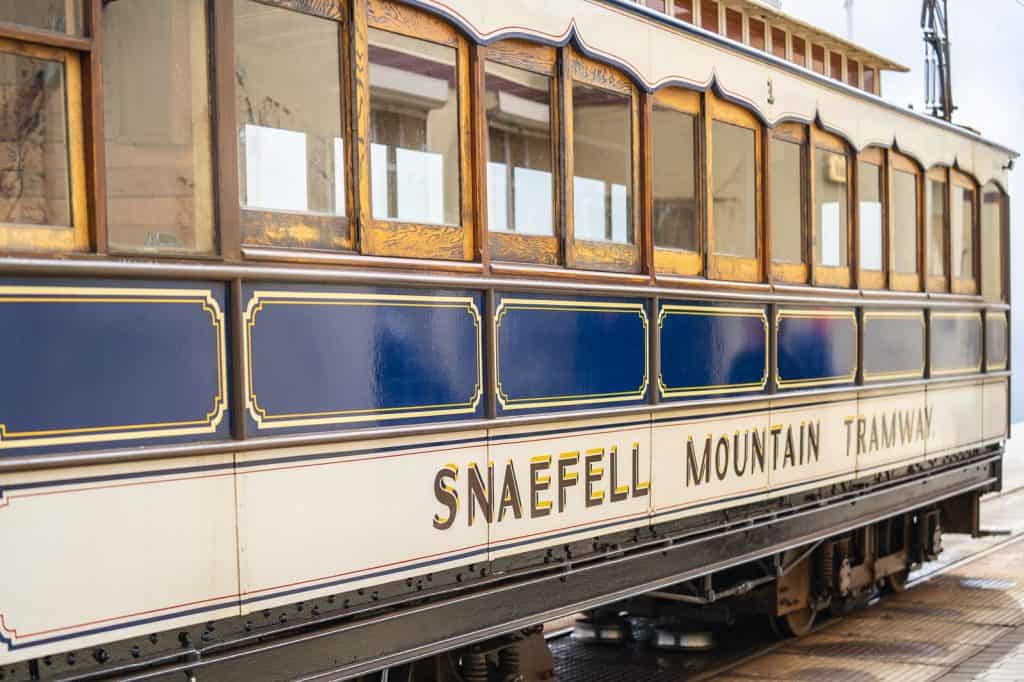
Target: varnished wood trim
column 794, row 132
column 711, row 284
column 524, row 248
column 327, row 9
column 288, row 229
column 226, row 180
column 872, row 279
column 577, row 275
column 873, row 155
column 793, row 273
column 645, row 186
column 677, row 261
column 904, row 163
column 409, row 21
column 95, row 142
column 680, row 99
column 42, row 37
column 359, row 89
column 600, row 75
column 523, row 54
column 830, row 141
column 831, row 276
column 281, row 255
column 478, row 165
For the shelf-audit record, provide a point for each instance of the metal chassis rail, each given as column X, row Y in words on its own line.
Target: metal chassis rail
column 340, row 651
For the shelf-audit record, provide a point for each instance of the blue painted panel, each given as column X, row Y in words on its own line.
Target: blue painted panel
column 561, row 353
column 320, row 357
column 893, row 344
column 955, row 343
column 712, row 350
column 815, row 347
column 996, row 341
column 108, row 366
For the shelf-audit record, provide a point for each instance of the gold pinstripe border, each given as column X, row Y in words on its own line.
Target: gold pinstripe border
column 707, row 311
column 509, row 304
column 10, row 438
column 896, row 315
column 811, row 313
column 265, row 420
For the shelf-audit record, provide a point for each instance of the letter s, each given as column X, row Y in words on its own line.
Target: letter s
column 446, row 495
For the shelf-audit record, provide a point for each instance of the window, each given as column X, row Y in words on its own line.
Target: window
column 159, row 162
column 869, row 79
column 658, row 5
column 871, row 218
column 938, row 219
column 962, row 231
column 604, row 117
column 818, row 59
column 419, row 197
column 853, row 72
column 683, row 10
column 757, row 34
column 674, row 182
column 831, row 190
column 779, row 43
column 735, row 140
column 993, row 231
column 835, row 61
column 292, row 151
column 787, row 180
column 521, row 179
column 906, row 224
column 799, row 51
column 734, row 25
column 709, row 15
column 59, row 16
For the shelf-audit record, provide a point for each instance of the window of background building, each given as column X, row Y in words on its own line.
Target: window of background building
column 159, row 174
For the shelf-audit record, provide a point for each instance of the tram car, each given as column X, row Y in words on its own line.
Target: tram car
column 347, row 336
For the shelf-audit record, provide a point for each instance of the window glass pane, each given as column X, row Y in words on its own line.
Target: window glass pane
column 787, row 181
column 870, row 207
column 520, row 181
column 936, row 227
column 414, row 130
column 779, row 43
column 869, row 79
column 818, row 58
column 603, row 168
column 34, row 176
column 709, row 15
column 734, row 212
column 904, row 209
column 157, row 125
column 291, row 151
column 757, row 34
column 962, row 232
column 836, row 66
column 684, row 10
column 831, row 208
column 675, row 179
column 852, row 72
column 799, row 51
column 993, row 207
column 734, row 25
column 658, row 5
column 60, row 16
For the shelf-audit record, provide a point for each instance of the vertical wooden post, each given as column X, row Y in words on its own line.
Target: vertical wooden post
column 95, row 150
column 228, row 208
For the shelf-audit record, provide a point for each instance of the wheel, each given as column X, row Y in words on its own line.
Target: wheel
column 794, row 623
column 897, row 582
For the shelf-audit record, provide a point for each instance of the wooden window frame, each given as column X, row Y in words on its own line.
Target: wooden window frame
column 698, row 12
column 938, row 283
column 750, row 21
column 28, row 238
column 719, row 266
column 827, row 275
column 906, row 281
column 393, row 237
column 793, row 273
column 792, row 50
column 873, row 279
column 600, row 255
column 669, row 260
column 248, row 218
column 514, row 246
column 962, row 285
column 787, row 53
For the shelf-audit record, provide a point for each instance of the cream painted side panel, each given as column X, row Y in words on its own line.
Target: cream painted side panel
column 891, row 430
column 96, row 554
column 956, row 418
column 555, row 488
column 322, row 520
column 701, row 463
column 796, row 463
column 995, row 410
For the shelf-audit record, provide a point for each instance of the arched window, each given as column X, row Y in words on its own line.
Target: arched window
column 831, row 195
column 676, row 182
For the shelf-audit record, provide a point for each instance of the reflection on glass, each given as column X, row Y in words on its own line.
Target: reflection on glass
column 936, row 227
column 779, row 43
column 675, row 179
column 831, row 208
column 34, row 177
column 818, row 58
column 992, row 208
column 733, row 163
column 870, row 207
column 962, row 231
column 414, row 130
column 290, row 148
column 684, row 10
column 603, row 169
column 758, row 38
column 157, row 126
column 734, row 25
column 60, row 16
column 520, row 181
column 799, row 51
column 709, row 15
column 904, row 210
column 787, row 181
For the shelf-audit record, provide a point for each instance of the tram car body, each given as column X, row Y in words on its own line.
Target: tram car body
column 341, row 333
